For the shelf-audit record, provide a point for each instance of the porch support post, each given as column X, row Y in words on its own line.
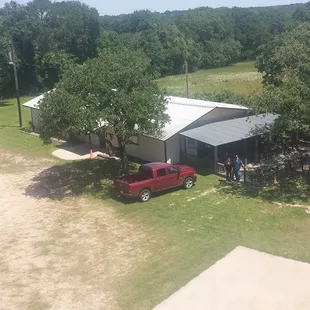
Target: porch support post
column 256, row 149
column 245, row 152
column 215, row 158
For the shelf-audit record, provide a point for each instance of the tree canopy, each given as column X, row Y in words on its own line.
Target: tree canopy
column 285, row 64
column 45, row 35
column 48, row 36
column 117, row 88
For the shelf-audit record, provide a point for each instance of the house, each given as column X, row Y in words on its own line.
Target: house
column 185, row 114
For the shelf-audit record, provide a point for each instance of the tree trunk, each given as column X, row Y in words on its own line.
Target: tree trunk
column 90, row 142
column 124, row 167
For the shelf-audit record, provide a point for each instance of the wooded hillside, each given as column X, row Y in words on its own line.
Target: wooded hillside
column 48, row 37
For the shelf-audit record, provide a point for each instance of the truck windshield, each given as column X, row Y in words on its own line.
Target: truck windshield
column 145, row 171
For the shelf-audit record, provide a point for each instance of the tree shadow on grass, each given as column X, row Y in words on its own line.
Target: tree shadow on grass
column 290, row 192
column 4, row 103
column 93, row 177
column 88, row 177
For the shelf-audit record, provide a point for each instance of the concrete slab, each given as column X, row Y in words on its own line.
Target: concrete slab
column 246, row 280
column 75, row 152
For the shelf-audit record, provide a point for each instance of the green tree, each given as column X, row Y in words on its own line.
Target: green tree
column 285, row 63
column 287, row 54
column 43, row 28
column 6, row 70
column 116, row 87
column 50, row 67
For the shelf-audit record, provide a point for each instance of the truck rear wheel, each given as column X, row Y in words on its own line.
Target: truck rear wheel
column 188, row 183
column 145, row 195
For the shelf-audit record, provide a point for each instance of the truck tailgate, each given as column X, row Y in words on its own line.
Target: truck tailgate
column 121, row 186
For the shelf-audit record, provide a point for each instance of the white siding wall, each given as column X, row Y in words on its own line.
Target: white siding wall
column 173, row 148
column 35, row 119
column 217, row 115
column 149, row 149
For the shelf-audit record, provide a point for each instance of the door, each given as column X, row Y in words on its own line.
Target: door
column 174, row 179
column 162, row 180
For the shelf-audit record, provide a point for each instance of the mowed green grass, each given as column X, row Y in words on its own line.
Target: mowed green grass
column 192, row 229
column 240, row 78
column 12, row 138
column 187, row 231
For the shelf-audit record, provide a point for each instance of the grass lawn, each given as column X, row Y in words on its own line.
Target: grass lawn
column 191, row 230
column 186, row 231
column 241, row 78
column 10, row 136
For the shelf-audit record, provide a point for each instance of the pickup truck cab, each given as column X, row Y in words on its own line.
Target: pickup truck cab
column 155, row 177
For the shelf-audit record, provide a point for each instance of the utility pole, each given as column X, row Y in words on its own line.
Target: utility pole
column 12, row 61
column 186, row 73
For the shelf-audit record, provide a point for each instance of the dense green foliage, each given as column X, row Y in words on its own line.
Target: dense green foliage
column 105, row 89
column 50, row 36
column 46, row 36
column 285, row 64
column 205, row 37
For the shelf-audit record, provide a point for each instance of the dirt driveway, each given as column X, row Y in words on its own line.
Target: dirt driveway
column 61, row 254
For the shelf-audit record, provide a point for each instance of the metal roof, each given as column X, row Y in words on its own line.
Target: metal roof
column 205, row 103
column 220, row 133
column 183, row 112
column 35, row 102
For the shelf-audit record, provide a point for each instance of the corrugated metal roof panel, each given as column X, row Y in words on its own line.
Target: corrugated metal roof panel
column 210, row 104
column 230, row 131
column 34, row 103
column 183, row 112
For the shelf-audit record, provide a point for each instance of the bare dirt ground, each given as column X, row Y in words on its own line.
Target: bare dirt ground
column 61, row 254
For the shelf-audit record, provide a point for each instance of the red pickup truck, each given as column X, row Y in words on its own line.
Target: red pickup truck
column 155, row 177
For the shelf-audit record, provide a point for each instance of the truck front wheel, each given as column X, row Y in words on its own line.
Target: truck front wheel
column 145, row 195
column 188, row 183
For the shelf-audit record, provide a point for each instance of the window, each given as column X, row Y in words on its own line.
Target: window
column 146, row 172
column 161, row 173
column 172, row 170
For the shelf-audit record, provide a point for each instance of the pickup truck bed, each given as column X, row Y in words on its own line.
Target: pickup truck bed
column 134, row 178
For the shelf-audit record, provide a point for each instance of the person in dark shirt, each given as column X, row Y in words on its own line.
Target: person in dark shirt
column 237, row 164
column 228, row 169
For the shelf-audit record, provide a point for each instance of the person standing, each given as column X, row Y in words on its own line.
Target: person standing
column 228, row 169
column 237, row 164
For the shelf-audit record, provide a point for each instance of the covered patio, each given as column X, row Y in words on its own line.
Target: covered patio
column 240, row 136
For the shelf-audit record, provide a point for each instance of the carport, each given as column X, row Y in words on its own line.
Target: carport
column 240, row 136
